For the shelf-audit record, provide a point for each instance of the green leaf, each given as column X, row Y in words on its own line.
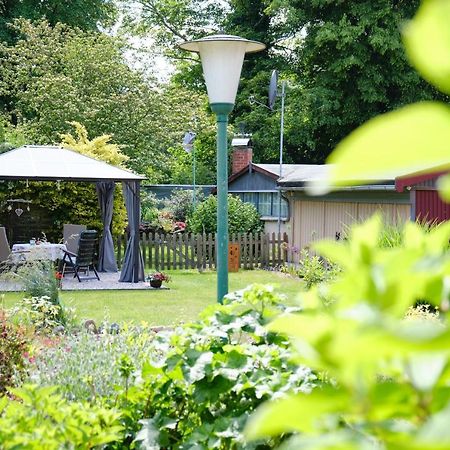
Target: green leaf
column 415, row 138
column 295, row 413
column 148, row 435
column 427, row 42
column 436, row 430
column 444, row 188
column 425, row 370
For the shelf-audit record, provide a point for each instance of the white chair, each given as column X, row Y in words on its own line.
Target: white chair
column 5, row 249
column 7, row 259
column 71, row 236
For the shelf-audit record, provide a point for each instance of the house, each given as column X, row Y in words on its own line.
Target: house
column 257, row 184
column 306, row 219
column 401, row 198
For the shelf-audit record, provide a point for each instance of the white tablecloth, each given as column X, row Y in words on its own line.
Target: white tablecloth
column 41, row 251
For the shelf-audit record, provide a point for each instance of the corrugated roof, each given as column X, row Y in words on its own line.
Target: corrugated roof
column 241, row 142
column 49, row 162
column 297, row 172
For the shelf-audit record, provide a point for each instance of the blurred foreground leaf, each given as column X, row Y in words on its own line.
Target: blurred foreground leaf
column 412, row 139
column 427, row 42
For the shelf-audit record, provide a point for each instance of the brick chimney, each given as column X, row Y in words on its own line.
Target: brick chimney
column 242, row 153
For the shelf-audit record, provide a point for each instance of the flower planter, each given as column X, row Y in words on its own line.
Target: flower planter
column 155, row 283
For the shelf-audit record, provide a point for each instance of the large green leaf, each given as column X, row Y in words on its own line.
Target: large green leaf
column 295, row 413
column 425, row 370
column 427, row 42
column 411, row 139
column 444, row 188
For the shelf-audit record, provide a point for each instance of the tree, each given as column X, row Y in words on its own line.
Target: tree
column 56, row 75
column 344, row 62
column 350, row 65
column 83, row 14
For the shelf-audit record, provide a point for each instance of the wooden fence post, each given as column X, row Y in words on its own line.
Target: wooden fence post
column 157, row 249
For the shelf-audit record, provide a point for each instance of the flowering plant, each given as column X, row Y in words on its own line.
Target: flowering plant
column 159, row 276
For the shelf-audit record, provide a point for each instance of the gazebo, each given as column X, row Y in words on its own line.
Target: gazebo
column 54, row 163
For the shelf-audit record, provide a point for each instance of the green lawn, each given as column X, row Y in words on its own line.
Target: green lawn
column 190, row 292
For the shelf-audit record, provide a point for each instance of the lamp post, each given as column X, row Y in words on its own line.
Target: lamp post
column 222, row 57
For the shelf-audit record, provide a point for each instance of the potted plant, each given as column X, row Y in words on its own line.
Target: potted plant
column 156, row 279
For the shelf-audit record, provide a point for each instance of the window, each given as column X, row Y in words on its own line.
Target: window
column 284, row 206
column 266, row 203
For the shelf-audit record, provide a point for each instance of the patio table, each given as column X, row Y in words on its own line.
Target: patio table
column 44, row 250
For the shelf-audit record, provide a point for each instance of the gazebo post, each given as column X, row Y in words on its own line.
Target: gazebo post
column 133, row 265
column 137, row 221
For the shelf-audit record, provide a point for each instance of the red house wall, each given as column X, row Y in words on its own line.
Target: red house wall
column 430, row 207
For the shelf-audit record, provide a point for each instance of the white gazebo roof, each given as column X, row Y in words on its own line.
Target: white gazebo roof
column 50, row 162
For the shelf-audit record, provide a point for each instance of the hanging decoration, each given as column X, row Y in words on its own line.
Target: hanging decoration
column 18, row 203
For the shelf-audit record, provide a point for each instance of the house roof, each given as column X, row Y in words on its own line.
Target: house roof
column 301, row 172
column 299, row 175
column 49, row 162
column 241, row 142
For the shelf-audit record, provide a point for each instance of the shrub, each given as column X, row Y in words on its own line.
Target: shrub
column 39, row 418
column 180, row 204
column 149, row 207
column 312, row 268
column 42, row 314
column 39, row 279
column 87, row 366
column 242, row 217
column 42, row 306
column 204, row 379
column 13, row 346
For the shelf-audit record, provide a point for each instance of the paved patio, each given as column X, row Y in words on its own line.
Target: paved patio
column 108, row 281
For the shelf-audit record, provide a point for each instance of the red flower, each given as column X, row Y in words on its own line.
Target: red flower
column 159, row 276
column 58, row 275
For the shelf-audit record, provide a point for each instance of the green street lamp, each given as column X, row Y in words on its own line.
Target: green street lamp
column 222, row 57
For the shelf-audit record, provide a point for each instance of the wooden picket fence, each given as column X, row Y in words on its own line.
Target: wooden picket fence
column 197, row 251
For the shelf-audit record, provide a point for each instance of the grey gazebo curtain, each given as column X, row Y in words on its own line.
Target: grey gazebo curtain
column 106, row 258
column 133, row 264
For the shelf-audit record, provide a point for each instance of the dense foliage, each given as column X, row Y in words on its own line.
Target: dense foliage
column 388, row 376
column 83, row 14
column 56, row 75
column 39, row 418
column 13, row 345
column 242, row 217
column 343, row 61
column 204, row 379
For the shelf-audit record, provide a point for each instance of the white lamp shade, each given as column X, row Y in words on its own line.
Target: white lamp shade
column 222, row 57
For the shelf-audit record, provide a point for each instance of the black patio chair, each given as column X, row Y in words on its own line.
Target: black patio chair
column 83, row 260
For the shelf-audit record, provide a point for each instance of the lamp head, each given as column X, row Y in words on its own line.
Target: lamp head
column 222, row 57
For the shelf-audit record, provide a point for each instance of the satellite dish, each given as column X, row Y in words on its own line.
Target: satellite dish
column 188, row 141
column 273, row 89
